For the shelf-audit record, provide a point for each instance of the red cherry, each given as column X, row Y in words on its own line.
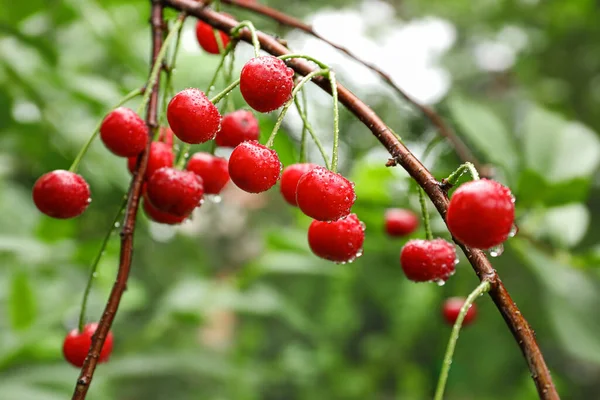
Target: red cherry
column 61, row 194
column 325, row 195
column 266, row 83
column 166, row 136
column 175, row 192
column 400, row 222
column 214, row 171
column 161, row 155
column 428, row 260
column 206, row 37
column 253, row 167
column 237, row 127
column 158, row 216
column 481, row 213
column 289, row 180
column 77, row 344
column 192, row 116
column 124, row 133
column 339, row 241
column 452, row 308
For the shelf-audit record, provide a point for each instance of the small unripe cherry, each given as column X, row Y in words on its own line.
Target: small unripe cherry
column 214, row 171
column 61, row 194
column 266, row 83
column 289, row 180
column 237, row 127
column 452, row 307
column 481, row 213
column 77, row 345
column 253, row 167
column 206, row 37
column 325, row 195
column 158, row 216
column 428, row 260
column 340, row 241
column 161, row 155
column 193, row 117
column 175, row 192
column 124, row 133
column 400, row 222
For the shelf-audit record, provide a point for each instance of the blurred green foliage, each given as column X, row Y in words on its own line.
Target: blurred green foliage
column 233, row 305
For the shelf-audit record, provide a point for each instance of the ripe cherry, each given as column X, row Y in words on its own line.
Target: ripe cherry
column 253, row 167
column 61, row 194
column 289, row 180
column 340, row 241
column 428, row 260
column 214, row 171
column 266, row 83
column 325, row 195
column 192, row 116
column 400, row 222
column 124, row 133
column 161, row 217
column 452, row 308
column 77, row 344
column 175, row 192
column 206, row 37
column 481, row 213
column 161, row 155
column 237, row 127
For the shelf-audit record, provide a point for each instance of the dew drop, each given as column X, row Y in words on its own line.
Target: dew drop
column 95, row 275
column 117, row 224
column 497, row 251
column 513, row 231
column 440, row 282
column 89, row 200
column 215, row 198
column 363, row 226
column 512, row 198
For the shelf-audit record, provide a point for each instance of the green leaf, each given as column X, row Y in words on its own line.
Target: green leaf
column 565, row 226
column 533, row 189
column 22, row 307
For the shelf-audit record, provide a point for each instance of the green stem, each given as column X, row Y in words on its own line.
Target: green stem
column 158, row 64
column 289, row 103
column 86, row 146
column 483, row 287
column 250, row 26
column 303, row 111
column 455, row 176
column 225, row 91
column 183, row 155
column 321, row 65
column 426, row 222
column 336, row 121
column 92, row 276
column 229, row 104
column 169, row 74
column 213, row 81
column 312, row 133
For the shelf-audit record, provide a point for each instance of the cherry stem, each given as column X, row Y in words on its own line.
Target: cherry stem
column 225, row 92
column 169, row 74
column 250, row 26
column 303, row 112
column 482, row 288
column 336, row 121
column 321, row 64
column 287, row 105
column 311, row 131
column 425, row 214
column 92, row 276
column 229, row 104
column 86, row 146
column 455, row 176
column 224, row 53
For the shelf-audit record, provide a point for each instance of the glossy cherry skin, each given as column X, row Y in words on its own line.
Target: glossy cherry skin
column 428, row 260
column 192, row 116
column 175, row 192
column 124, row 133
column 253, row 167
column 481, row 213
column 266, row 83
column 340, row 241
column 161, row 155
column 237, row 127
column 214, row 171
column 325, row 195
column 206, row 37
column 452, row 307
column 61, row 194
column 77, row 344
column 400, row 222
column 161, row 217
column 289, row 180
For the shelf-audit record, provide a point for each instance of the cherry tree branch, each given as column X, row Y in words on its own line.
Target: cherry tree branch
column 133, row 200
column 463, row 152
column 518, row 325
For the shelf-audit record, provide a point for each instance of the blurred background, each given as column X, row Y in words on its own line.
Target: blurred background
column 233, row 305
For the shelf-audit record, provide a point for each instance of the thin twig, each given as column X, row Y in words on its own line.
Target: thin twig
column 513, row 317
